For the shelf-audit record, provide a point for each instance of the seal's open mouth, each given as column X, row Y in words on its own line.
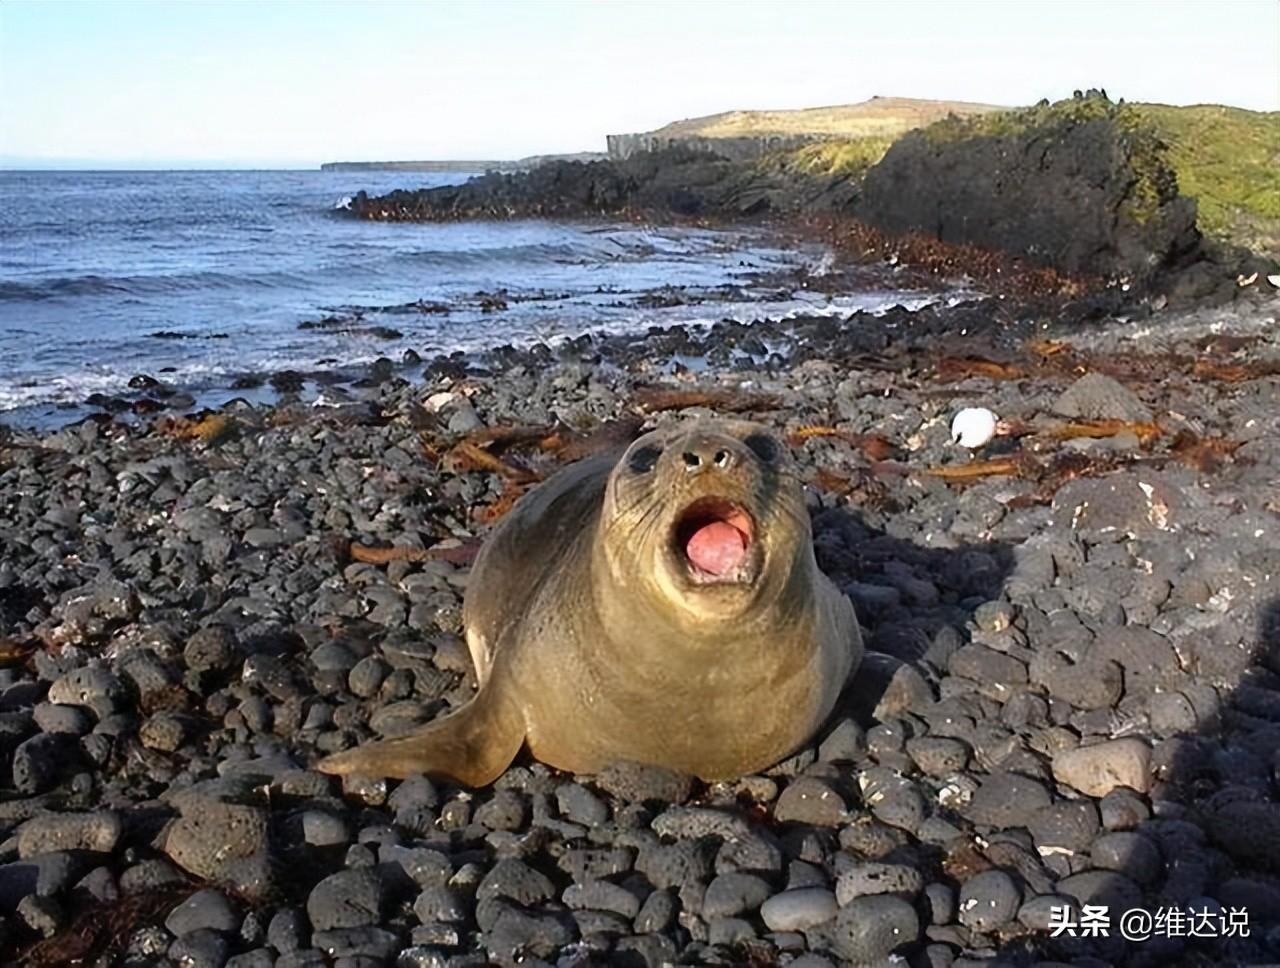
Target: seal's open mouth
column 714, row 536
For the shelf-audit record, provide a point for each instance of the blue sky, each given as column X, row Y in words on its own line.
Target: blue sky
column 296, row 83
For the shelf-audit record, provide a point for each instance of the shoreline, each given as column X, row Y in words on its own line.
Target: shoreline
column 1073, row 701
column 388, row 347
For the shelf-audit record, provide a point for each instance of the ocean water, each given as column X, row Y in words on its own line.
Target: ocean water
column 201, row 278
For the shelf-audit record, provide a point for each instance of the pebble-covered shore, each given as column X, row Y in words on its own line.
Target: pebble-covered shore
column 1074, row 696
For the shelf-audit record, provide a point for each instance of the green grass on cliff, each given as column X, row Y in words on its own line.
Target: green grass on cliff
column 1228, row 159
column 843, row 157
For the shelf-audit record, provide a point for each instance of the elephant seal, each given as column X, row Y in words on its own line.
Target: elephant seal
column 661, row 607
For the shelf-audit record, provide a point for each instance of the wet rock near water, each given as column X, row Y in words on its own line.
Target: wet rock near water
column 1073, row 696
column 677, row 180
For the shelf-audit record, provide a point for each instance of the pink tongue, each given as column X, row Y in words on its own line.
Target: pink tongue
column 717, row 548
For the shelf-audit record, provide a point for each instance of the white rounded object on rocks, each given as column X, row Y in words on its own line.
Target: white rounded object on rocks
column 973, row 427
column 438, row 401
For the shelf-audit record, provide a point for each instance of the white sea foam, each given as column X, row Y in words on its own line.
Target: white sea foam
column 246, row 257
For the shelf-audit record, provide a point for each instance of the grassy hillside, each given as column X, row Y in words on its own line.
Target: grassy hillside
column 846, row 157
column 1228, row 159
column 879, row 117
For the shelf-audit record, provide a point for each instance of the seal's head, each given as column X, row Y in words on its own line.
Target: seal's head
column 707, row 515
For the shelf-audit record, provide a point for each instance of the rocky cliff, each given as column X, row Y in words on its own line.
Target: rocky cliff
column 749, row 135
column 677, row 181
column 1083, row 186
column 742, row 148
column 519, row 164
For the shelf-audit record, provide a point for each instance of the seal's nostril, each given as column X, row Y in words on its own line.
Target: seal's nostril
column 691, row 459
column 722, row 458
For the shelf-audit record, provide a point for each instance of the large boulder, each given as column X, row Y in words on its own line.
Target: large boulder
column 1082, row 186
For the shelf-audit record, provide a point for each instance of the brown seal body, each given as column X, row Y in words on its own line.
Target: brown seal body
column 662, row 607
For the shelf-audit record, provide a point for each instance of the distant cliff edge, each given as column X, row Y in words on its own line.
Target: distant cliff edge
column 750, row 135
column 520, row 164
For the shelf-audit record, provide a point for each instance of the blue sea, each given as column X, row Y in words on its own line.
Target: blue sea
column 199, row 278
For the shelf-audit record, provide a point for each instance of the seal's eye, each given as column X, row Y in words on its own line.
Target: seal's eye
column 763, row 446
column 644, row 459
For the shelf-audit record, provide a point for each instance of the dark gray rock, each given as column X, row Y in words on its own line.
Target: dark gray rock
column 257, row 958
column 506, row 810
column 798, row 910
column 671, row 865
column 1123, row 810
column 441, row 904
column 1108, row 888
column 636, row 783
column 988, row 901
column 368, row 944
column 1087, row 685
column 200, row 949
column 579, row 805
column 1249, row 831
column 844, row 743
column 39, row 762
column 991, row 669
column 810, row 801
column 865, row 879
column 657, row 913
column 515, row 880
column 941, row 900
column 1132, row 854
column 1096, row 396
column 288, row 931
column 323, row 829
column 211, row 649
column 516, row 935
column 991, row 191
column 734, row 893
column 938, row 755
column 869, row 929
column 1068, row 824
column 52, row 718
column 1007, row 800
column 204, row 910
column 602, row 896
column 347, row 899
column 1124, row 502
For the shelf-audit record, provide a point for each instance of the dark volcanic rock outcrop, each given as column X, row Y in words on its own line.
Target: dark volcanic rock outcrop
column 1081, row 186
column 680, row 181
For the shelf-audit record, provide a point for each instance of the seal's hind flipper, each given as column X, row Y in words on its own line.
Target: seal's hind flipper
column 472, row 745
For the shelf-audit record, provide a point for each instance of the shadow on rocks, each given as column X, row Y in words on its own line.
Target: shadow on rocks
column 1184, row 857
column 911, row 601
column 1072, row 720
column 1160, row 805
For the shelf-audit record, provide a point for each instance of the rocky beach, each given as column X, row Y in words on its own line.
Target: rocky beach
column 1071, row 697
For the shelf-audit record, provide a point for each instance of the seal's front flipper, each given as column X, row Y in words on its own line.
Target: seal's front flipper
column 472, row 745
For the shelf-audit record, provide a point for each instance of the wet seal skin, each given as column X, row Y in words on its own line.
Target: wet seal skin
column 661, row 606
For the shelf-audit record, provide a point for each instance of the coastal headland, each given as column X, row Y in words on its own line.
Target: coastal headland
column 520, row 164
